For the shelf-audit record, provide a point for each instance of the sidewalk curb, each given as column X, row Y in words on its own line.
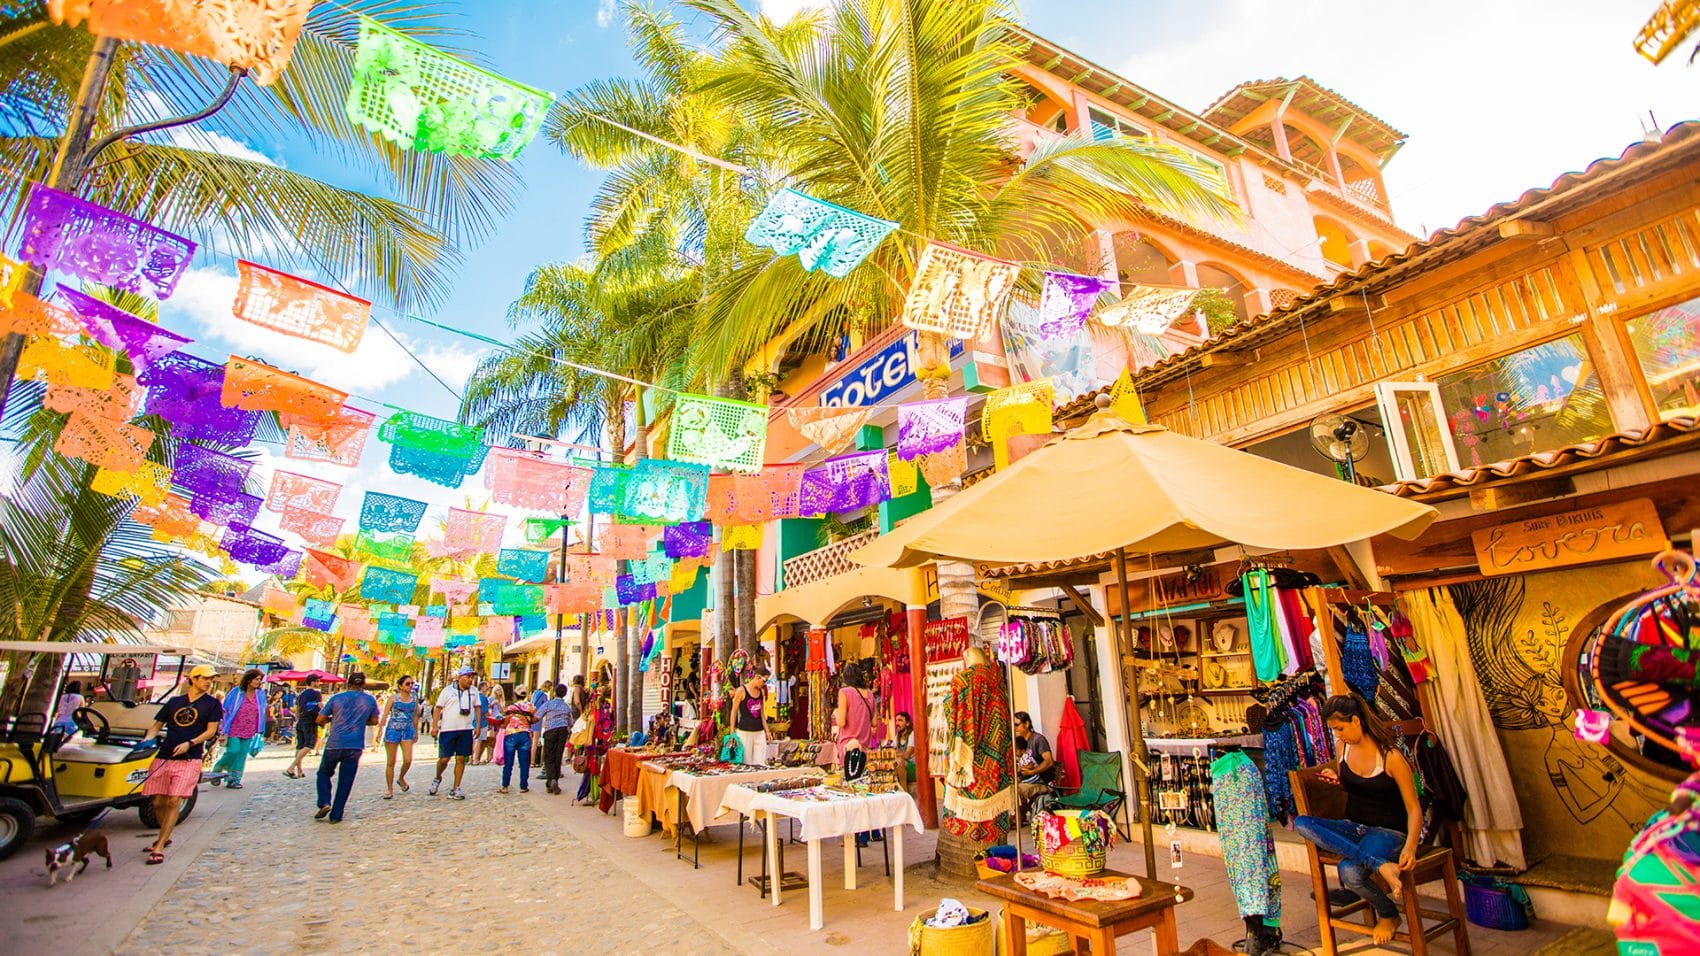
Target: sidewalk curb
column 121, row 923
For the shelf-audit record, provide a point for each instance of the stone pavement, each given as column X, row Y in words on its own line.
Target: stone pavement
column 252, row 871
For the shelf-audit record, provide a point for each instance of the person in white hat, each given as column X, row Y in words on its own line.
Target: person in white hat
column 454, row 720
column 189, row 720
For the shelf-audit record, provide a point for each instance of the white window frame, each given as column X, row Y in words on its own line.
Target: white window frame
column 1399, row 445
column 1117, row 125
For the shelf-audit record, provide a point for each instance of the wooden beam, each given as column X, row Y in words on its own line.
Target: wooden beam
column 1084, row 605
column 1525, row 229
column 1348, row 567
column 1163, row 117
column 1227, row 359
column 1494, row 497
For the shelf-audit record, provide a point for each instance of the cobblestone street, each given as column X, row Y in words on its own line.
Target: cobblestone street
column 429, row 874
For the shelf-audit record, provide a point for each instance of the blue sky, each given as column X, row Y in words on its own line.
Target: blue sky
column 1496, row 97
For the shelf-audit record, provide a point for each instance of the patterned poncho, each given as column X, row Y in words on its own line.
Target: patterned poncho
column 980, row 784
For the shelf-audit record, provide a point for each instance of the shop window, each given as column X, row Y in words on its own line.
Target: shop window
column 1544, row 397
column 1418, row 441
column 1668, row 344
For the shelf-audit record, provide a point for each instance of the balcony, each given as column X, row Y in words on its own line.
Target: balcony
column 823, row 563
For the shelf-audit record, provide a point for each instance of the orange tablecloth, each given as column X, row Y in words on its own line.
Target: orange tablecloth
column 624, row 765
column 654, row 798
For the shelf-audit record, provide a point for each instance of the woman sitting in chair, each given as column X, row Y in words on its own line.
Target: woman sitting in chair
column 1379, row 832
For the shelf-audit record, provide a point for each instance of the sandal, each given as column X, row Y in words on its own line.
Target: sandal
column 150, row 847
column 503, row 790
column 403, row 785
column 389, row 796
column 155, row 858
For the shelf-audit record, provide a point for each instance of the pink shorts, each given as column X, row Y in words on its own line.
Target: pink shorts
column 172, row 778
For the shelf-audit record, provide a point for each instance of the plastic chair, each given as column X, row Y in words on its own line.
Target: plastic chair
column 1316, row 797
column 1101, row 788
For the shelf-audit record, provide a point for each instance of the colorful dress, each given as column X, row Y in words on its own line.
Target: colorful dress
column 979, row 797
column 1248, row 848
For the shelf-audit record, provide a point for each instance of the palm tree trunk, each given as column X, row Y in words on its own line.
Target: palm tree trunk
column 957, row 594
column 744, row 571
column 632, row 709
column 44, row 682
column 621, row 680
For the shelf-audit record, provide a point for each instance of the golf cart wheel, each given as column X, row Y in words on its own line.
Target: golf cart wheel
column 151, row 819
column 17, row 822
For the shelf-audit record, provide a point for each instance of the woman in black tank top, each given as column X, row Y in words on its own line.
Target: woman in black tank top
column 1378, row 834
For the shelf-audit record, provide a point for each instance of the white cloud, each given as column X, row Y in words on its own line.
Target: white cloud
column 1497, row 98
column 202, row 307
column 605, row 13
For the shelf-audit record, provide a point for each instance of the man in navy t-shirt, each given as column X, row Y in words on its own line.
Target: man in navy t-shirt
column 348, row 714
column 306, row 723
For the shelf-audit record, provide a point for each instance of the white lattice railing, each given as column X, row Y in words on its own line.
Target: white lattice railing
column 823, row 563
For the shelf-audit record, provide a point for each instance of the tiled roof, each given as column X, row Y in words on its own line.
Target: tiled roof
column 1282, row 83
column 1680, row 430
column 1681, row 138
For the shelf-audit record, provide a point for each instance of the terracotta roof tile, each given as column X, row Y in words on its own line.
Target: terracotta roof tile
column 1685, row 135
column 1682, row 429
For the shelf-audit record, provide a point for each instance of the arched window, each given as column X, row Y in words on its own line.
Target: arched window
column 1140, row 262
column 1336, row 241
column 1379, row 250
column 1214, row 276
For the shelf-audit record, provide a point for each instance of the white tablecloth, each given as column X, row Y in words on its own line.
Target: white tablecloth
column 704, row 792
column 829, row 818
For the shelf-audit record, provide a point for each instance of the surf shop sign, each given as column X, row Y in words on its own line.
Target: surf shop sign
column 1612, row 532
column 879, row 376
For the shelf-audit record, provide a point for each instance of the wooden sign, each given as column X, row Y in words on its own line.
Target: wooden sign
column 1625, row 529
column 945, row 640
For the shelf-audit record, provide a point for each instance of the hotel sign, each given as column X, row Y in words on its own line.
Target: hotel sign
column 1624, row 529
column 879, row 376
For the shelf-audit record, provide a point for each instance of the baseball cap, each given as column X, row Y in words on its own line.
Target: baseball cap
column 203, row 670
column 466, row 672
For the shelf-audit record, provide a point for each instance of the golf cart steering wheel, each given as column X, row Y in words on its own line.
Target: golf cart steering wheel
column 92, row 724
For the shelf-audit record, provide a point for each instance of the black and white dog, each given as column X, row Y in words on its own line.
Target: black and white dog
column 76, row 854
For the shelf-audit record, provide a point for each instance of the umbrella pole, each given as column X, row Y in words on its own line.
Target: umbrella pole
column 1141, row 778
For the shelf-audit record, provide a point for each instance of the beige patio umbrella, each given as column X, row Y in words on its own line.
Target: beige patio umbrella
column 1109, row 484
column 1114, row 487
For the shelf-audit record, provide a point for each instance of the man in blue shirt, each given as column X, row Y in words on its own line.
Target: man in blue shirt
column 348, row 714
column 555, row 722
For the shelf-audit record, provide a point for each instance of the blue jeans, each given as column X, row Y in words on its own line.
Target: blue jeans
column 517, row 747
column 344, row 763
column 1361, row 850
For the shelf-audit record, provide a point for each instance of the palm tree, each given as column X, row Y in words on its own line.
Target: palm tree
column 233, row 203
column 661, row 205
column 629, row 324
column 900, row 109
column 408, row 245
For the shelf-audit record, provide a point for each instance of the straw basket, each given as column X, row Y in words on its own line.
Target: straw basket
column 1073, row 858
column 975, row 939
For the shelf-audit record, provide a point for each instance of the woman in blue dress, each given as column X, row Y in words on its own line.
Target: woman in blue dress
column 401, row 729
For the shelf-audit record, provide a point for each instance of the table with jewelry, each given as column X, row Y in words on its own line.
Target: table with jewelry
column 823, row 812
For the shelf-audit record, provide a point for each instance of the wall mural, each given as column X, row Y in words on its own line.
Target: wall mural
column 1577, row 798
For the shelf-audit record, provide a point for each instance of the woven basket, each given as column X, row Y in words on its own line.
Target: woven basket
column 1074, row 860
column 975, row 939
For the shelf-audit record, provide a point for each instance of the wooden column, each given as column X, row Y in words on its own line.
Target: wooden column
column 924, row 794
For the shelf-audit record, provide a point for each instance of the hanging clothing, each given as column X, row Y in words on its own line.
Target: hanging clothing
column 1493, row 821
column 979, row 783
column 1292, row 608
column 1357, row 665
column 1071, row 740
column 1248, row 848
column 1261, row 627
column 1443, row 793
column 1280, row 755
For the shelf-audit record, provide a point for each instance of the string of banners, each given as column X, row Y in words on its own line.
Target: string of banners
column 663, row 514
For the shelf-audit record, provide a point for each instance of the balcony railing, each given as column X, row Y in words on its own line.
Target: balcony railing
column 823, row 563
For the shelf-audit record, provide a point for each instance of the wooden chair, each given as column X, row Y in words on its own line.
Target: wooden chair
column 1318, row 798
